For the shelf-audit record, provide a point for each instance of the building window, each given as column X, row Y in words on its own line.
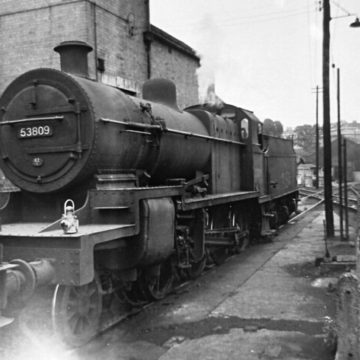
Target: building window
column 100, row 65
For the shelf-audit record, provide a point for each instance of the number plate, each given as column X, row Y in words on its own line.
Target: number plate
column 35, row 131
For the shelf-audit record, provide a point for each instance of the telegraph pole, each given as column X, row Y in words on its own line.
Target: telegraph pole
column 317, row 138
column 345, row 190
column 329, row 217
column 340, row 170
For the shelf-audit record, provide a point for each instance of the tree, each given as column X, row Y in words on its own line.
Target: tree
column 279, row 129
column 268, row 127
column 306, row 137
column 273, row 128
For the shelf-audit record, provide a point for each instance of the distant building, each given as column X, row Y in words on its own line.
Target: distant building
column 305, row 175
column 350, row 130
column 127, row 48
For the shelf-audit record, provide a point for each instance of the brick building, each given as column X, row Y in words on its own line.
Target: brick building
column 127, row 48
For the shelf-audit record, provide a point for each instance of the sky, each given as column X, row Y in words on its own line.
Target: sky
column 266, row 55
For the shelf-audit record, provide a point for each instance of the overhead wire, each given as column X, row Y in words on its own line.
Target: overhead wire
column 310, row 59
column 244, row 20
column 314, row 24
column 318, row 25
column 340, row 7
column 280, row 17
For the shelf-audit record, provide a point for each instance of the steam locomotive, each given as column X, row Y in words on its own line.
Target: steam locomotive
column 120, row 194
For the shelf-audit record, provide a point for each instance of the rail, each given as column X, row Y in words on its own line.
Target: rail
column 350, row 208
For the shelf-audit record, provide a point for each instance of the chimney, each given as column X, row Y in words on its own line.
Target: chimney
column 73, row 57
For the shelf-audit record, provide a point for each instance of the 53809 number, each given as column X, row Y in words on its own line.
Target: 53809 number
column 35, row 131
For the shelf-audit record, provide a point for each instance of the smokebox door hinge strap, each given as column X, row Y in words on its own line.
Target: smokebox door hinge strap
column 34, row 94
column 78, row 129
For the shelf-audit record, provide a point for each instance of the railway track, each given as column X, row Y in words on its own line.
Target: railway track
column 119, row 310
column 307, row 193
column 311, row 197
column 116, row 311
column 347, row 209
column 112, row 317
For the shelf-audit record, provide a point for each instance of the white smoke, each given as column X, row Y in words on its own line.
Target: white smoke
column 209, row 48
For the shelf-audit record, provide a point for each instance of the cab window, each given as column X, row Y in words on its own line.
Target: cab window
column 259, row 135
column 244, row 128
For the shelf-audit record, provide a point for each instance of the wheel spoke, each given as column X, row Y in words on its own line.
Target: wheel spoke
column 75, row 292
column 79, row 326
column 93, row 306
column 73, row 323
column 72, row 303
column 157, row 284
column 70, row 314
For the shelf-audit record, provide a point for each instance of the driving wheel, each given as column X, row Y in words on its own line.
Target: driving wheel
column 76, row 312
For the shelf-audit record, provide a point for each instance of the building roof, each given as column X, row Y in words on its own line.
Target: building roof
column 157, row 34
